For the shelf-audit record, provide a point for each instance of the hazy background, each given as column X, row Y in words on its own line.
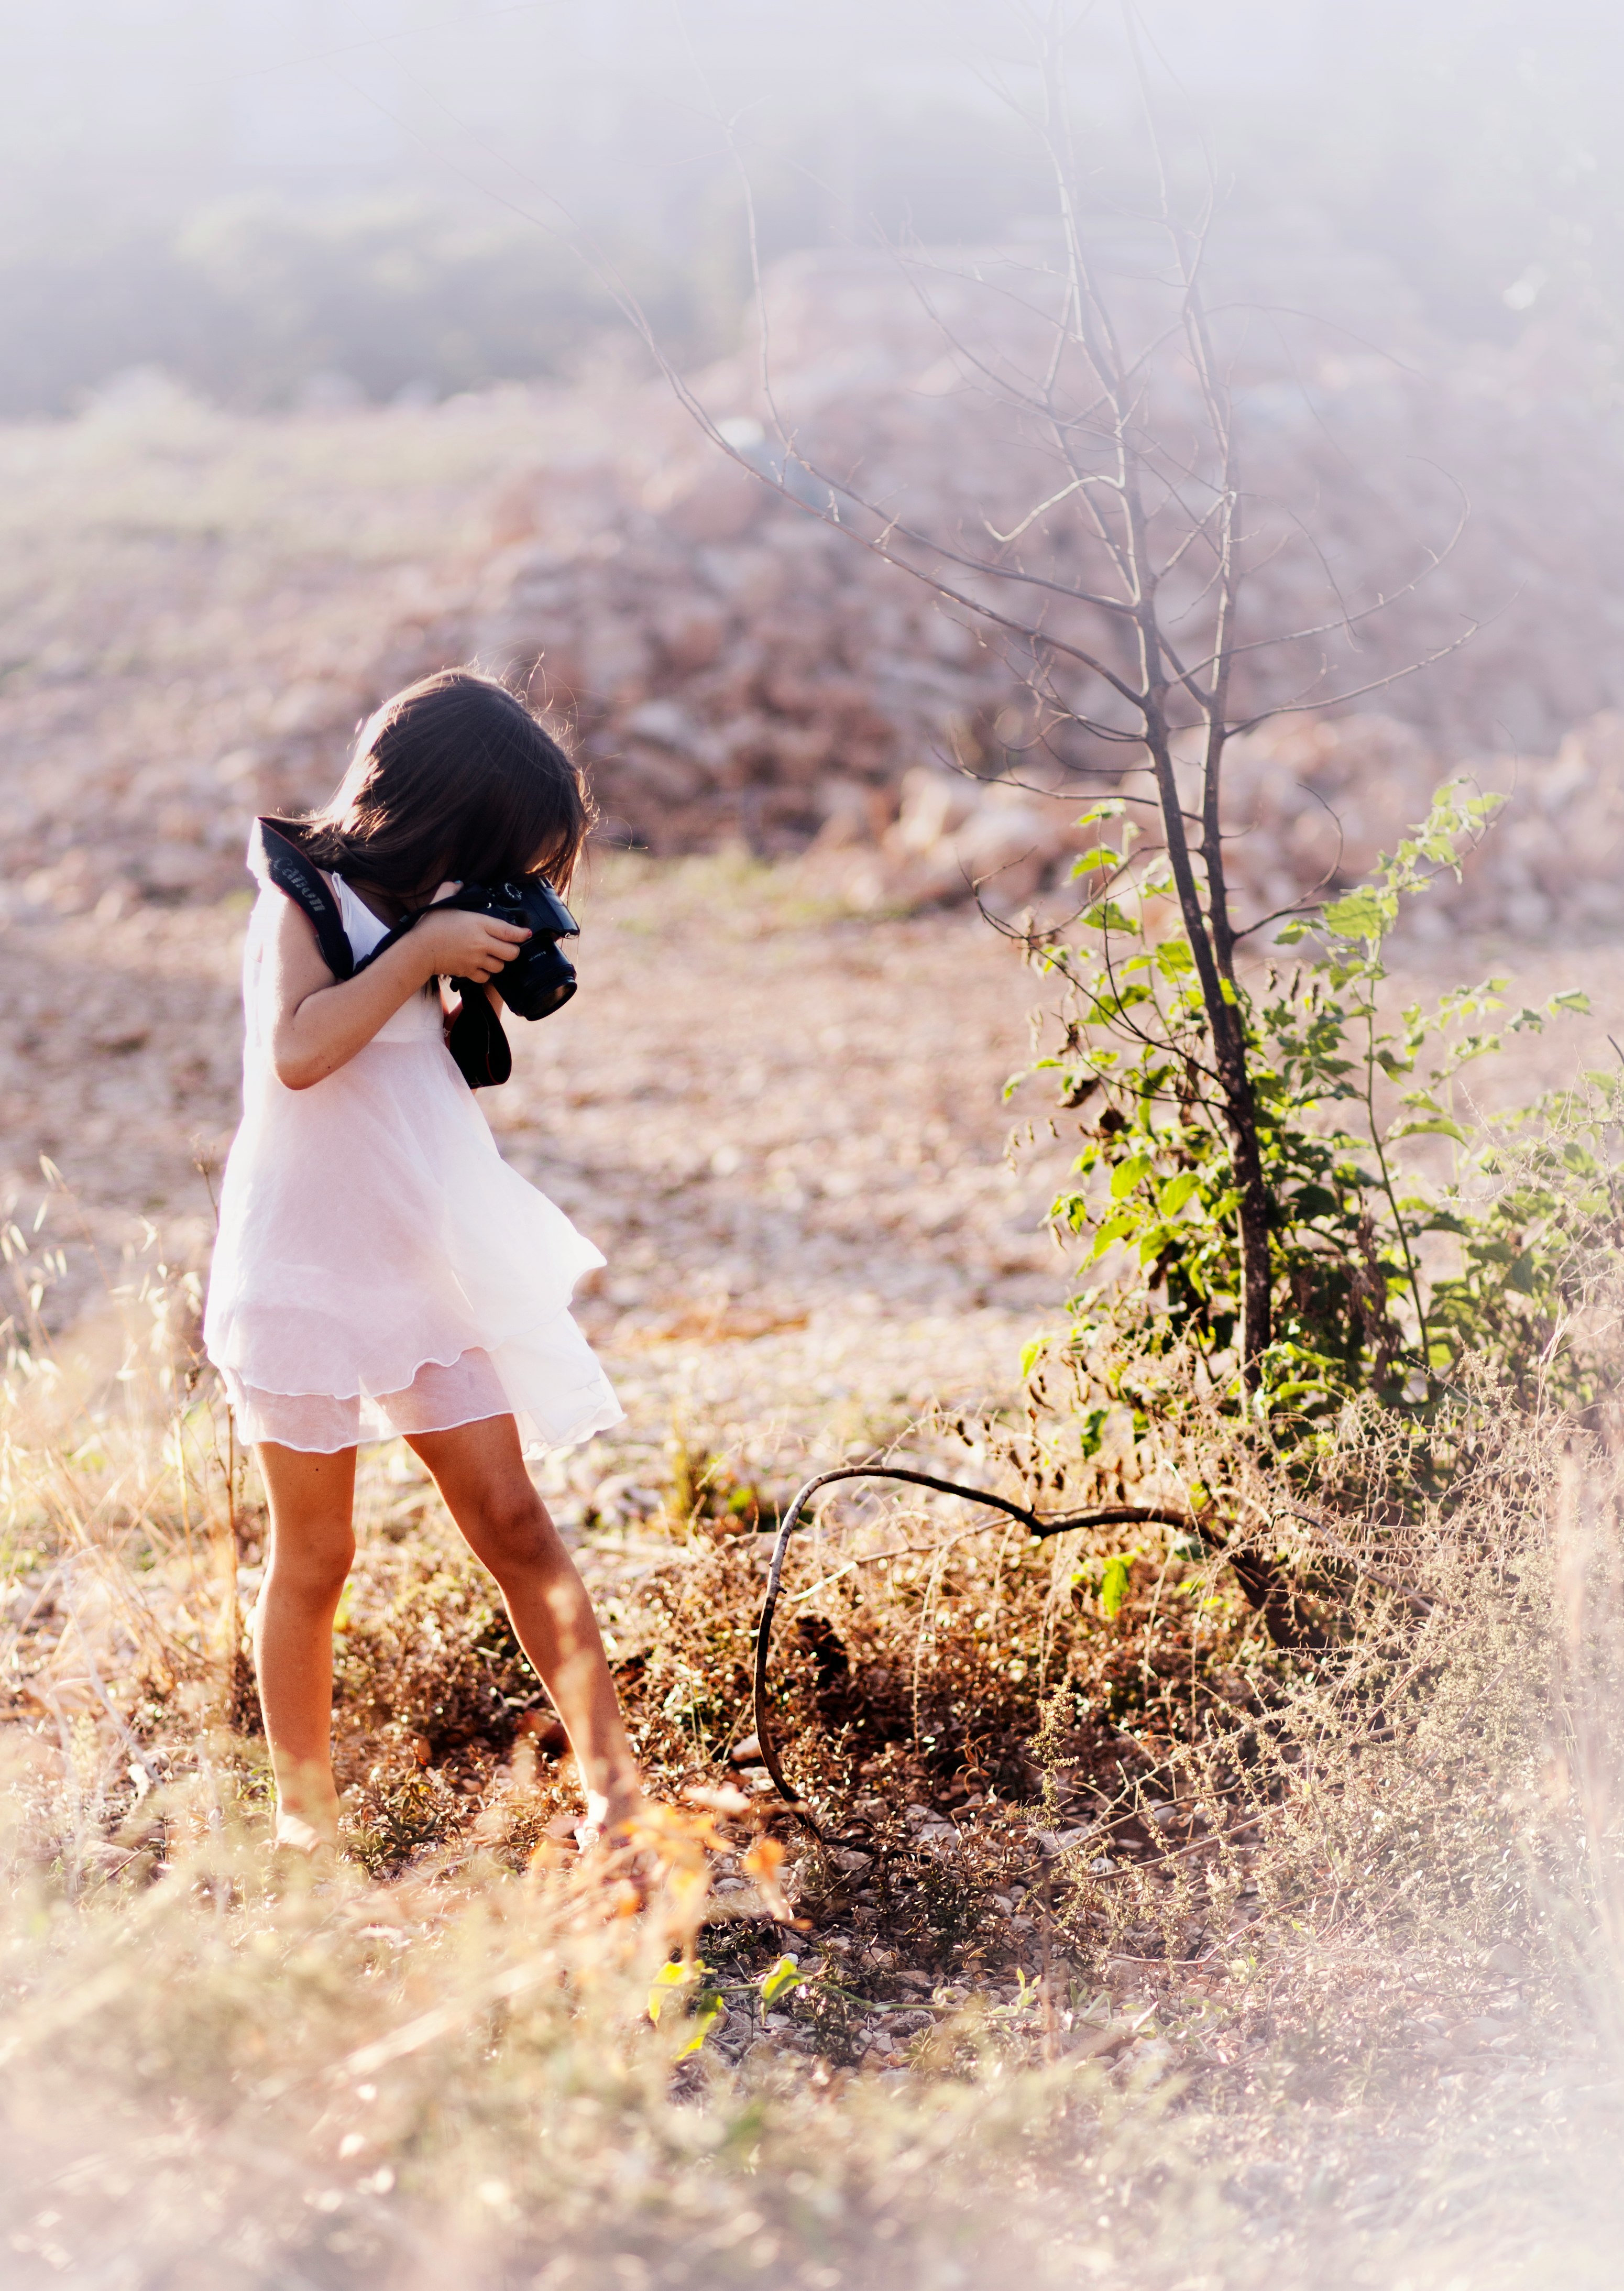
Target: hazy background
column 285, row 203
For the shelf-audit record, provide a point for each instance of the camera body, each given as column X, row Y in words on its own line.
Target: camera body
column 541, row 977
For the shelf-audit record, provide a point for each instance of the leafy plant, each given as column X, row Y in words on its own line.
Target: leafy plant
column 1383, row 1275
column 779, row 1981
column 688, row 1983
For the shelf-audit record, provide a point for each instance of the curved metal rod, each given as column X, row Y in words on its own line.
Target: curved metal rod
column 1117, row 1515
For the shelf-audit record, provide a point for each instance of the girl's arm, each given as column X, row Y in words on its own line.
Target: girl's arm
column 317, row 1022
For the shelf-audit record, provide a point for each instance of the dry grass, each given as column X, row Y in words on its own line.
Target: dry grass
column 1146, row 1953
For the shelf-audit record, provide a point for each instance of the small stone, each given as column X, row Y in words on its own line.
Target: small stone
column 1148, row 2060
column 1507, row 1960
column 1101, row 2044
column 1472, row 2036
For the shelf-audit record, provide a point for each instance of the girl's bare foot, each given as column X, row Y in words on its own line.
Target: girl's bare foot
column 307, row 1827
column 611, row 1820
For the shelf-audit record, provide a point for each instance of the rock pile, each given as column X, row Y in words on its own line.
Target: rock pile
column 738, row 667
column 1310, row 804
column 735, row 666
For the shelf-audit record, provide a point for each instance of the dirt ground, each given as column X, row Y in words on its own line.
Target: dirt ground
column 785, row 1130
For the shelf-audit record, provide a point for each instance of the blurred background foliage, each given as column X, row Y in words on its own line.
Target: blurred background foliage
column 386, row 198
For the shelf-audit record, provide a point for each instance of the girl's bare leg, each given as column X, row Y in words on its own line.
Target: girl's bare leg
column 479, row 1469
column 312, row 1548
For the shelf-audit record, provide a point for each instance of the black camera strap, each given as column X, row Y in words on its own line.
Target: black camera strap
column 476, row 1041
column 274, row 857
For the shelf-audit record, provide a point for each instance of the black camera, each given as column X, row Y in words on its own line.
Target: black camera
column 541, row 977
column 539, row 980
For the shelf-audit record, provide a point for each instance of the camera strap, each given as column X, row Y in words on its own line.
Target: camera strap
column 476, row 1041
column 274, row 857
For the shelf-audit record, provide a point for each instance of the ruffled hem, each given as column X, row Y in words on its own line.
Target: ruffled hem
column 378, row 1229
column 303, row 1352
column 578, row 1402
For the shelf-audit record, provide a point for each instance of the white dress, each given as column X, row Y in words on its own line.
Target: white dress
column 380, row 1268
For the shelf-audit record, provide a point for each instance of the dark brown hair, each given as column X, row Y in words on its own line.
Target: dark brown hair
column 452, row 779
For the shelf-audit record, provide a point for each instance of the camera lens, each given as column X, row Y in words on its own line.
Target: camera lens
column 538, row 981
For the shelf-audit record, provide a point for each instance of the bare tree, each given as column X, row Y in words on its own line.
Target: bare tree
column 1108, row 543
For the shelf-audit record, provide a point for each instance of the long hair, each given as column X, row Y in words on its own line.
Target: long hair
column 453, row 779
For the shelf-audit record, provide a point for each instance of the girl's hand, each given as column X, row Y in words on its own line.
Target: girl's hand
column 315, row 1025
column 449, row 943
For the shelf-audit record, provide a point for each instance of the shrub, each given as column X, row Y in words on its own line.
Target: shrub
column 1384, row 1279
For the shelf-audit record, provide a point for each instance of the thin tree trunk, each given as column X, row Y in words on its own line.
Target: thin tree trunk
column 1240, row 1107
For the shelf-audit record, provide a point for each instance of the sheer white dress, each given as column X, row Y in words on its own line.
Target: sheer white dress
column 380, row 1268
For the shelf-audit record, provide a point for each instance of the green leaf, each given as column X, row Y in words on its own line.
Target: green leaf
column 707, row 2012
column 1361, row 914
column 1031, row 1354
column 1575, row 999
column 1127, row 1174
column 785, row 1975
column 1106, row 915
column 1177, row 1191
column 1310, row 1202
column 1154, row 1238
column 1174, row 959
column 1094, row 1422
column 1113, row 1231
column 671, row 1979
column 1113, row 1587
column 1440, row 1126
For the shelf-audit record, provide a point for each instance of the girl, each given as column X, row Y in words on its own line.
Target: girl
column 379, row 1269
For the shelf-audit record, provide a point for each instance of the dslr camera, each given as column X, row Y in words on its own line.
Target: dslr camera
column 540, row 978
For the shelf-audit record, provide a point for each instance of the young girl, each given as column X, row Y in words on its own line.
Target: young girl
column 379, row 1269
